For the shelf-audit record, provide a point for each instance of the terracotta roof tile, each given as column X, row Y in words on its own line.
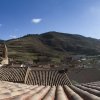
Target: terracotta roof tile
column 18, row 91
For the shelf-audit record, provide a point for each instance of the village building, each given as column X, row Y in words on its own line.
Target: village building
column 4, row 58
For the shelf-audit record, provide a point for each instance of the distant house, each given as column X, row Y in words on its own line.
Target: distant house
column 75, row 57
column 79, row 57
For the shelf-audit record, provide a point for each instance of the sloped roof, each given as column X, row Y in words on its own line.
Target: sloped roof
column 13, row 74
column 84, row 75
column 17, row 91
column 33, row 76
column 46, row 77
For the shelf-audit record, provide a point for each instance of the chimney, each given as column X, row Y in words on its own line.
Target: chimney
column 5, row 52
column 4, row 55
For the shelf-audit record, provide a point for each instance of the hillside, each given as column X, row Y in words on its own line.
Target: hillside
column 51, row 44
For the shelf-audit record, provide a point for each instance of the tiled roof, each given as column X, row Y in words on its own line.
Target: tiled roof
column 34, row 76
column 13, row 74
column 46, row 77
column 40, row 76
column 84, row 75
column 17, row 91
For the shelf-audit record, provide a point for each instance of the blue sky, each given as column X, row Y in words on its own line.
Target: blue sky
column 20, row 17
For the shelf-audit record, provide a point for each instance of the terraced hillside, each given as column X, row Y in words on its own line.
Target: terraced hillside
column 53, row 45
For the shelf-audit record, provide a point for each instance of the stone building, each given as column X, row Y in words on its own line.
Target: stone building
column 4, row 57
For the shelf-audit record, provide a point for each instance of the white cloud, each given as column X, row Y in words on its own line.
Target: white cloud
column 0, row 25
column 36, row 20
column 13, row 36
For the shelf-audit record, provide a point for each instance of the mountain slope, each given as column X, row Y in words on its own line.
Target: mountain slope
column 52, row 44
column 72, row 43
